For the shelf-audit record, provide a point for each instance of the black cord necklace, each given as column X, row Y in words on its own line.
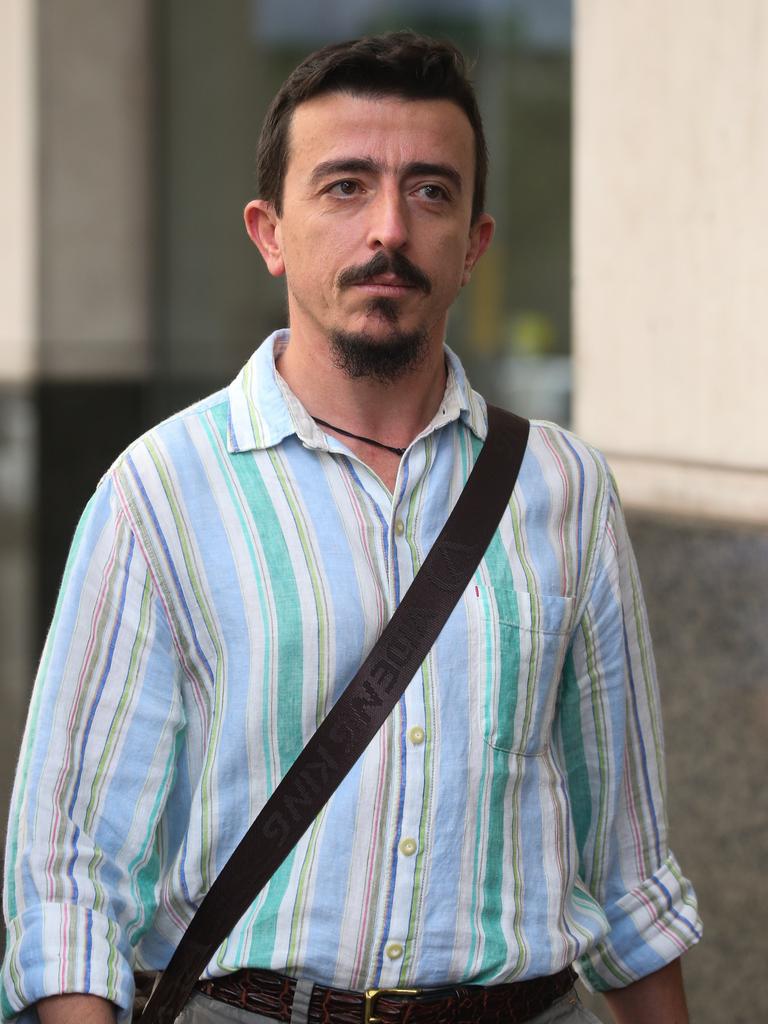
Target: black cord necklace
column 359, row 437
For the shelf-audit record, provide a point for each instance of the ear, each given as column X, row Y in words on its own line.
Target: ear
column 480, row 235
column 263, row 227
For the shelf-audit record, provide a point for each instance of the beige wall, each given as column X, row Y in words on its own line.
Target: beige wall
column 74, row 189
column 18, row 192
column 671, row 249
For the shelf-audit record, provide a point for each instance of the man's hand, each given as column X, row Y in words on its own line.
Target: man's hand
column 76, row 1009
column 658, row 998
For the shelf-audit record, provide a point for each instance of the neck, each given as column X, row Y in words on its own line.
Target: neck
column 392, row 412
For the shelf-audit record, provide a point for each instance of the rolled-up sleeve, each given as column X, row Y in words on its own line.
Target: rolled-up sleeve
column 612, row 743
column 96, row 765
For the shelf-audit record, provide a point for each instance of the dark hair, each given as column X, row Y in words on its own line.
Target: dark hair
column 395, row 64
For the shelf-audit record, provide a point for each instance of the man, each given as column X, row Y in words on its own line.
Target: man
column 237, row 563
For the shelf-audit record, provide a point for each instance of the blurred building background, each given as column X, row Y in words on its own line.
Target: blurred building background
column 626, row 293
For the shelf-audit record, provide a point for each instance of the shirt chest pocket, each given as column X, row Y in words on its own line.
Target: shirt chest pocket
column 521, row 644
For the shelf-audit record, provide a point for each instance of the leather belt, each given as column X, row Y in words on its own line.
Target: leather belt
column 271, row 995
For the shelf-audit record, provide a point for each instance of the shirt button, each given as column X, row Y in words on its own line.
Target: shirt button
column 394, row 951
column 416, row 735
column 408, row 847
column 399, row 527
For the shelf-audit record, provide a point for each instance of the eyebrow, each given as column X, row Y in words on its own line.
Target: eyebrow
column 365, row 165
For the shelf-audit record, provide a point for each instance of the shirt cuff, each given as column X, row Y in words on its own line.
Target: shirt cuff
column 651, row 925
column 56, row 948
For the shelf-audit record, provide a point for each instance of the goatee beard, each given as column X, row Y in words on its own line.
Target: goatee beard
column 385, row 360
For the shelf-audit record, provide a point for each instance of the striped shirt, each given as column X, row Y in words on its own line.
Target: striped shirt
column 228, row 577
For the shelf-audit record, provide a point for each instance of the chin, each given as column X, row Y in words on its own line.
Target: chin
column 384, row 355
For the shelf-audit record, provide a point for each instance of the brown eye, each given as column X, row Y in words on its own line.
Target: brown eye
column 344, row 188
column 433, row 192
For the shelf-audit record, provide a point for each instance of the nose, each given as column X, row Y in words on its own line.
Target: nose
column 388, row 224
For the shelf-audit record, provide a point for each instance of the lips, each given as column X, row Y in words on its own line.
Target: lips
column 389, row 279
column 386, row 283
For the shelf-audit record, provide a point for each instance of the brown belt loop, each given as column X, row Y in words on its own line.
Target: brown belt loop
column 302, row 995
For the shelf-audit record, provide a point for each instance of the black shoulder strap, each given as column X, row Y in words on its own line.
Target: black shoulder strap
column 357, row 715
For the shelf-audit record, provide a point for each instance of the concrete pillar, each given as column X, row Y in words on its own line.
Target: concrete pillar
column 671, row 260
column 671, row 316
column 18, row 192
column 18, row 359
column 95, row 215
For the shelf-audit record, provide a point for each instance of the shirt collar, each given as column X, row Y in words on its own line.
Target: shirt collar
column 263, row 410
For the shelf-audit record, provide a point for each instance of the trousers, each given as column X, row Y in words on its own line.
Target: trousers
column 568, row 1010
column 202, row 1010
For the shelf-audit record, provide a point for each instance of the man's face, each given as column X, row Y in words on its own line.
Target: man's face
column 375, row 236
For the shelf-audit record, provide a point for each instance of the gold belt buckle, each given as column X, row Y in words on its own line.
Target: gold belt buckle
column 372, row 994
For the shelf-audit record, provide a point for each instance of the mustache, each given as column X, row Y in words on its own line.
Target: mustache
column 386, row 263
